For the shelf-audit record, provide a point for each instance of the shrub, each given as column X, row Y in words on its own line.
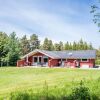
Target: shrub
column 20, row 96
column 80, row 93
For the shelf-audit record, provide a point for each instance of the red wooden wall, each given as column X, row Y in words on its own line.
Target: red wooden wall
column 90, row 62
column 52, row 62
column 71, row 62
column 55, row 62
column 20, row 63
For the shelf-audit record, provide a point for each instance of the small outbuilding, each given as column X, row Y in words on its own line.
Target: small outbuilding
column 69, row 58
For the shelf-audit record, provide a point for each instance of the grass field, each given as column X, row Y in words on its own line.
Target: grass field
column 20, row 79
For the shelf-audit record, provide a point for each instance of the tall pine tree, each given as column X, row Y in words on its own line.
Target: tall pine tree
column 34, row 42
column 46, row 44
column 3, row 47
column 61, row 46
column 25, row 45
column 14, row 49
column 50, row 44
column 66, row 46
column 56, row 47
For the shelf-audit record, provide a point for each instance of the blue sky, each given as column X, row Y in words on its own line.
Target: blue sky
column 59, row 20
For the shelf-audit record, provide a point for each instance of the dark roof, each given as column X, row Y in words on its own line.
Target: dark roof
column 66, row 54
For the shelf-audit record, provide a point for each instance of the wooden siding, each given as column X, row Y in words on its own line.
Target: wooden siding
column 20, row 63
column 90, row 62
column 71, row 62
column 55, row 62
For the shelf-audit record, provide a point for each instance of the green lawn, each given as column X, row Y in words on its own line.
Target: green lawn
column 15, row 79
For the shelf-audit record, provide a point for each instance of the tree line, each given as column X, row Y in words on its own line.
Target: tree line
column 12, row 47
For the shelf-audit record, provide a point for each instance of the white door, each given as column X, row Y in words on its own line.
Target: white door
column 85, row 66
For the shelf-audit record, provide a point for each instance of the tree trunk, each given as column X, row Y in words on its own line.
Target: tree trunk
column 7, row 63
column 1, row 63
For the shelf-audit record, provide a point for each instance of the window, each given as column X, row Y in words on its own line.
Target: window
column 63, row 59
column 84, row 60
column 39, row 59
column 78, row 59
column 35, row 59
column 45, row 60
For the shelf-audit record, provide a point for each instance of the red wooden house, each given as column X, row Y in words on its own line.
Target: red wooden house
column 80, row 58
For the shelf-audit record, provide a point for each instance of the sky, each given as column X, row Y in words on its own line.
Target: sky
column 59, row 20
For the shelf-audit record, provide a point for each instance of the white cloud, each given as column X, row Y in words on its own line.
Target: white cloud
column 25, row 20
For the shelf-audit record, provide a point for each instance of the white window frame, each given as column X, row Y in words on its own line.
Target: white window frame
column 45, row 58
column 37, row 58
column 84, row 61
column 34, row 57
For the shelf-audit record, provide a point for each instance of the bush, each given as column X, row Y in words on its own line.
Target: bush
column 20, row 96
column 80, row 92
column 97, row 62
